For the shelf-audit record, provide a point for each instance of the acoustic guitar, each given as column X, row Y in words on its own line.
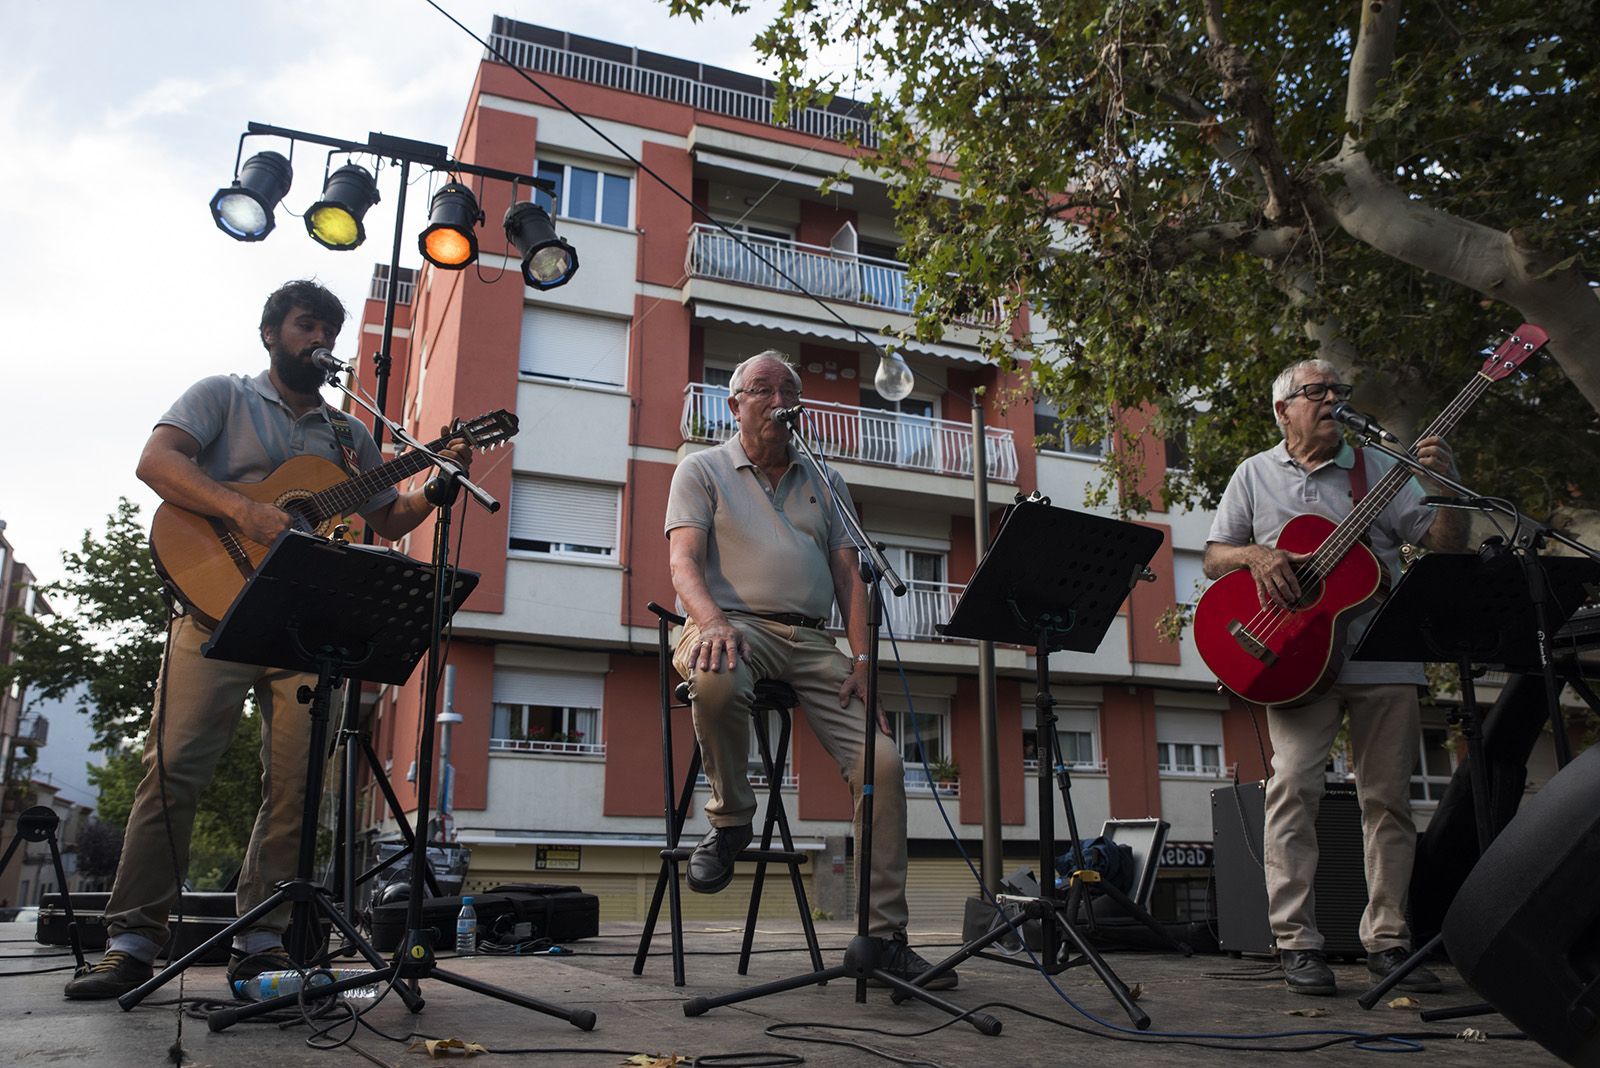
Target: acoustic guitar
column 1291, row 656
column 206, row 562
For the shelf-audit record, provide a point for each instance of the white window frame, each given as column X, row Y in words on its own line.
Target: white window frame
column 577, row 702
column 601, row 171
column 523, row 485
column 1186, row 760
column 1049, row 410
column 1075, row 714
column 611, row 377
column 1431, row 787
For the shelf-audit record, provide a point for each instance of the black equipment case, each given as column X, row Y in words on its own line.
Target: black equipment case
column 204, row 914
column 509, row 914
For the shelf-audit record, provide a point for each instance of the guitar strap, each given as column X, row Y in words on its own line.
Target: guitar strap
column 346, row 440
column 1358, row 478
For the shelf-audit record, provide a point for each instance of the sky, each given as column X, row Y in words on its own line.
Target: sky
column 118, row 121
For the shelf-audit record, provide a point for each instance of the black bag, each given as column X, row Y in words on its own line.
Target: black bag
column 516, row 912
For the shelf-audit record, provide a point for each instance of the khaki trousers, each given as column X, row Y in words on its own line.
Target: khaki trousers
column 204, row 700
column 1384, row 725
column 810, row 662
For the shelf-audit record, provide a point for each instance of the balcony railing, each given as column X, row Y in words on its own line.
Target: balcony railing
column 528, row 745
column 33, row 730
column 865, row 435
column 404, row 289
column 915, row 617
column 1088, row 767
column 813, row 269
column 819, row 122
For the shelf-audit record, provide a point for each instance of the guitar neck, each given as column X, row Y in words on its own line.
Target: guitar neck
column 1347, row 533
column 344, row 497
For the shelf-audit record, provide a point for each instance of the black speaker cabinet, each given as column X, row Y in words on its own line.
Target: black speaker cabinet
column 1237, row 817
column 1524, row 931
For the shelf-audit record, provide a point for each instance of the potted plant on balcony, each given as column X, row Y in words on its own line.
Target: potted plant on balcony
column 945, row 773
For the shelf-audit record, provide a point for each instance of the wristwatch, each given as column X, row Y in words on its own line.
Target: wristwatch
column 861, row 658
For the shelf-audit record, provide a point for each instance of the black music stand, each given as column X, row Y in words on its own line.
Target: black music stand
column 1054, row 579
column 38, row 824
column 340, row 611
column 1466, row 608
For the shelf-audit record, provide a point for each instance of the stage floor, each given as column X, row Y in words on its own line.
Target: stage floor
column 1217, row 995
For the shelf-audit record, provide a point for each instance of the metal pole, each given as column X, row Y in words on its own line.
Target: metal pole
column 988, row 727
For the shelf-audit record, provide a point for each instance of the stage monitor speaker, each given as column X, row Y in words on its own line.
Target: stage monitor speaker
column 1237, row 819
column 1524, row 931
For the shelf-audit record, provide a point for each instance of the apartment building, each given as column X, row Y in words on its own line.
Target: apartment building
column 21, row 732
column 620, row 374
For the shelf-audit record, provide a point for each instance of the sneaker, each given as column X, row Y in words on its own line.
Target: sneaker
column 711, row 863
column 243, row 966
column 112, row 976
column 1419, row 980
column 896, row 957
column 1306, row 971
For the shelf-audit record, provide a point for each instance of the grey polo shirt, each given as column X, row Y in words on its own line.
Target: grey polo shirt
column 767, row 547
column 246, row 431
column 1270, row 488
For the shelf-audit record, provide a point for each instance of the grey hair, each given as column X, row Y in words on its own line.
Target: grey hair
column 736, row 381
column 1283, row 385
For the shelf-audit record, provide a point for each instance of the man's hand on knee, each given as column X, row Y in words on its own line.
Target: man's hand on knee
column 718, row 647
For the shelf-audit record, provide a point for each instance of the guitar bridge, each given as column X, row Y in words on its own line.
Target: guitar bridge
column 1251, row 644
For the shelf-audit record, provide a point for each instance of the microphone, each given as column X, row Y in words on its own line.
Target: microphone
column 328, row 362
column 1361, row 423
column 788, row 416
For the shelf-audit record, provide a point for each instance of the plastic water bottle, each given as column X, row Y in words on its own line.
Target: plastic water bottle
column 274, row 984
column 466, row 929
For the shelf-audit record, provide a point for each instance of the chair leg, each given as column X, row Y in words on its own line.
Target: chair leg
column 774, row 805
column 795, row 879
column 651, row 917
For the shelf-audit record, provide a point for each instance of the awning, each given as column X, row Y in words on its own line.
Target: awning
column 831, row 331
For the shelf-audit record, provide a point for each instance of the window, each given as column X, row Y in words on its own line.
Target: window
column 930, row 723
column 1200, row 759
column 573, row 347
column 898, row 433
column 1189, row 742
column 1435, row 763
column 1188, row 576
column 546, row 711
column 562, row 518
column 1077, row 729
column 1178, row 449
column 1075, row 437
column 586, row 193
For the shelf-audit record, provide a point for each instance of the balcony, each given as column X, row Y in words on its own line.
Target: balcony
column 866, row 435
column 813, row 269
column 33, row 730
column 405, row 287
column 915, row 617
column 535, row 745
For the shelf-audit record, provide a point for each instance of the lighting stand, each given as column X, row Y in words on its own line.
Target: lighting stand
column 862, row 956
column 38, row 824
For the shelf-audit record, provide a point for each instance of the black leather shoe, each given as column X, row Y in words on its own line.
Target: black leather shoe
column 111, row 977
column 896, row 957
column 1307, row 972
column 1419, row 980
column 711, row 863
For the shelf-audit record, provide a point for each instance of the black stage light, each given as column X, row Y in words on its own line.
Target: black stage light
column 449, row 240
column 547, row 261
column 335, row 220
column 243, row 210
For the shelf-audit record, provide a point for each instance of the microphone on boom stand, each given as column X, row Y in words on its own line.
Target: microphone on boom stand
column 788, row 416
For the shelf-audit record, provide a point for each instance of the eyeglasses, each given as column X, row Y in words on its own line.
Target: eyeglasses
column 1316, row 392
column 788, row 393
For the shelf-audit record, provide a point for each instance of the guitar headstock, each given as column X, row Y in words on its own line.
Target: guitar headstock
column 1524, row 341
column 487, row 430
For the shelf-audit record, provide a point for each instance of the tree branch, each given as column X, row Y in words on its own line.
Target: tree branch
column 1372, row 59
column 1244, row 93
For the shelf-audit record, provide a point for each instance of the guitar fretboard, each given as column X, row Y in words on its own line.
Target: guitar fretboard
column 1347, row 533
column 344, row 497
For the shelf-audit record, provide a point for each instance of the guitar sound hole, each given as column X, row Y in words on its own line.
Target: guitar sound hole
column 1310, row 594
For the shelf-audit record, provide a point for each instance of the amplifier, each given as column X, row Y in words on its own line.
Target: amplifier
column 1237, row 818
column 204, row 914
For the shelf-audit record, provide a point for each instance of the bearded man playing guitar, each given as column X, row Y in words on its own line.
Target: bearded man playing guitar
column 1310, row 471
column 233, row 428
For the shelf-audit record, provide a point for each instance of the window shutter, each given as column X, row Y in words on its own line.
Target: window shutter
column 563, row 689
column 564, row 513
column 574, row 346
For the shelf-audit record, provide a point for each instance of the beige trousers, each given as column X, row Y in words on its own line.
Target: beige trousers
column 810, row 662
column 204, row 700
column 1384, row 725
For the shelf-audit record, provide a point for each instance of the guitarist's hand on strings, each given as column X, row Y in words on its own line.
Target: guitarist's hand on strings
column 1273, row 570
column 260, row 522
column 457, row 452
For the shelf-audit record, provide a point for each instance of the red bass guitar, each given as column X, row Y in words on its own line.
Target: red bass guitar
column 1290, row 656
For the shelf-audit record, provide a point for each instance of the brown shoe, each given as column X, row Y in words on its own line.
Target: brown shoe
column 112, row 976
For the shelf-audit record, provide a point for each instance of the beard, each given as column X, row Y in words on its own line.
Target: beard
column 296, row 373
